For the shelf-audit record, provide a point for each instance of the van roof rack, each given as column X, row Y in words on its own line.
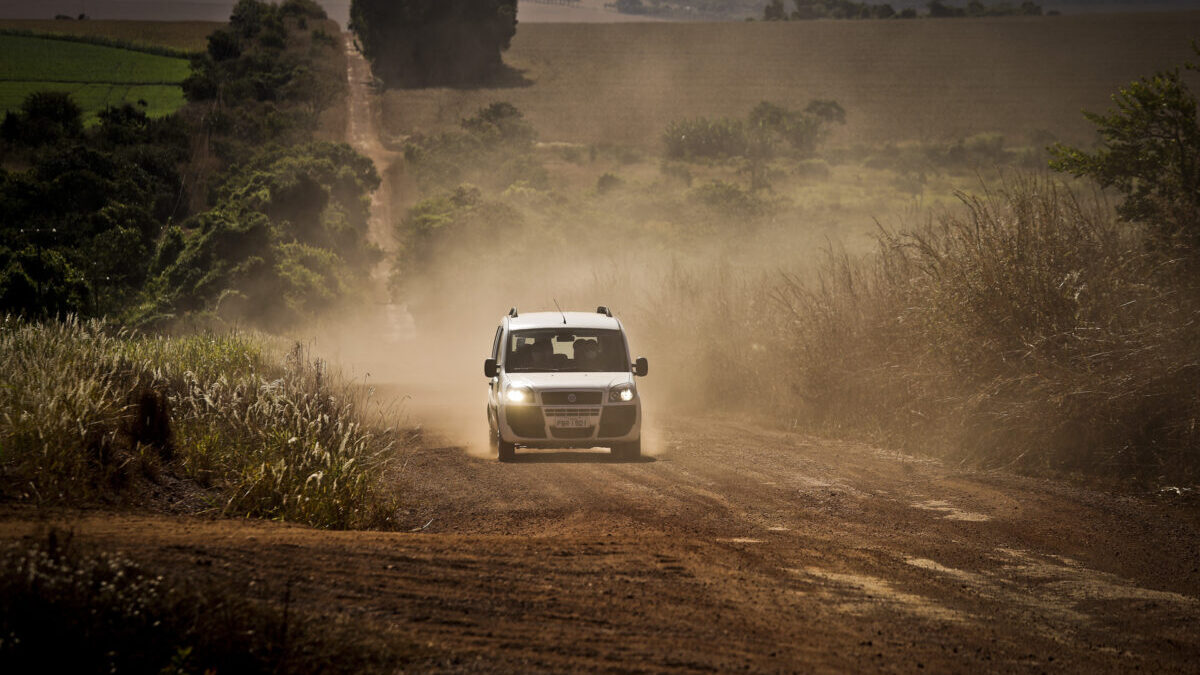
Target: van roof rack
column 603, row 310
column 512, row 312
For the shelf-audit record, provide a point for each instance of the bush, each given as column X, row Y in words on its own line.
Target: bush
column 103, row 409
column 1029, row 329
column 494, row 149
column 705, row 138
column 1150, row 152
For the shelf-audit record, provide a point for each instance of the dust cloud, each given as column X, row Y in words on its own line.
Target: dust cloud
column 425, row 356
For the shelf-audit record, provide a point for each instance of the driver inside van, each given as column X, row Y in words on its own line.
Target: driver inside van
column 587, row 354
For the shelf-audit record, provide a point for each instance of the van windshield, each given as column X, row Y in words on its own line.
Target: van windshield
column 576, row 350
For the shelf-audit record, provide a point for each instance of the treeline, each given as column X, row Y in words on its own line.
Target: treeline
column 681, row 9
column 936, row 9
column 418, row 43
column 227, row 210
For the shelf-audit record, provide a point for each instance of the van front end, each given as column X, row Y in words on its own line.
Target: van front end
column 570, row 418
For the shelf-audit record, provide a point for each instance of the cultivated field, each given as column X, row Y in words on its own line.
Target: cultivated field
column 913, row 80
column 97, row 76
column 189, row 36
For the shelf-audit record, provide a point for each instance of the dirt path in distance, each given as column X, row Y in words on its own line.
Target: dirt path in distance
column 735, row 549
column 363, row 134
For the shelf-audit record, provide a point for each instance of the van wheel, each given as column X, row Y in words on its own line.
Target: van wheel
column 628, row 451
column 508, row 451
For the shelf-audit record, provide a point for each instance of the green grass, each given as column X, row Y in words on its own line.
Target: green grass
column 97, row 76
column 161, row 100
column 90, row 413
column 38, row 59
column 188, row 36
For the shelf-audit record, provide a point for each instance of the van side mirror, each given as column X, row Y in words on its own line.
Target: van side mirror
column 489, row 368
column 641, row 367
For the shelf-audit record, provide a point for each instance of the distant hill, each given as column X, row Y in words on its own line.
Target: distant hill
column 588, row 10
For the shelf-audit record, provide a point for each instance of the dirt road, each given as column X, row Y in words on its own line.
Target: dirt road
column 735, row 549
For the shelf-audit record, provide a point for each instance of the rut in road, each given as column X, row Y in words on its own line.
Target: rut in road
column 735, row 548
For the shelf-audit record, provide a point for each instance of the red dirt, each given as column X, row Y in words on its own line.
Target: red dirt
column 734, row 549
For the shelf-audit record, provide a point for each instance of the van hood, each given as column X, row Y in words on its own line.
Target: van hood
column 551, row 381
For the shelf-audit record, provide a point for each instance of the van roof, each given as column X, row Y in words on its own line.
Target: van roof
column 555, row 320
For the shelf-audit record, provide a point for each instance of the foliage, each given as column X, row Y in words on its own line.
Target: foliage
column 1150, row 152
column 119, row 616
column 89, row 223
column 1029, row 329
column 265, row 78
column 729, row 199
column 44, row 118
column 104, row 410
column 427, row 42
column 458, row 220
column 691, row 9
column 88, row 209
column 766, row 126
column 847, row 9
column 705, row 138
column 286, row 241
column 493, row 149
column 96, row 76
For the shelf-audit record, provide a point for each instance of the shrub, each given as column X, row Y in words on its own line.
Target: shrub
column 1150, row 152
column 729, row 199
column 1029, row 329
column 101, row 409
column 705, row 138
column 607, row 182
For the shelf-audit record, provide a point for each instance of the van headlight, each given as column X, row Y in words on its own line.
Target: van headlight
column 621, row 394
column 519, row 395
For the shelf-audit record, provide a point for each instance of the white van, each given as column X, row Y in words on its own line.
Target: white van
column 563, row 380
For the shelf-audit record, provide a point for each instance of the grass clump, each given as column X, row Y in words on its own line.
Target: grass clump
column 92, row 413
column 1027, row 328
column 118, row 616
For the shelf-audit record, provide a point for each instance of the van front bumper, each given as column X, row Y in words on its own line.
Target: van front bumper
column 550, row 426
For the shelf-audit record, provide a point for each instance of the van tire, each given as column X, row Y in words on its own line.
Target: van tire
column 508, row 451
column 628, row 451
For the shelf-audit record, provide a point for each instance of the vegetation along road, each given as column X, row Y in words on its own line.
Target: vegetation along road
column 734, row 548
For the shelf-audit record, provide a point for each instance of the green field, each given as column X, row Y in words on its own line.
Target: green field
column 190, row 36
column 96, row 76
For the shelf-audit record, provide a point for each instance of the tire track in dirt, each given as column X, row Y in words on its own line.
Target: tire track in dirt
column 735, row 549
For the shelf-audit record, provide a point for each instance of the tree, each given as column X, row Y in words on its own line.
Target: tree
column 774, row 11
column 1150, row 152
column 427, row 42
column 940, row 10
column 45, row 117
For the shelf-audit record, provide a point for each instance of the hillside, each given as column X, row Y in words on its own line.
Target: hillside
column 925, row 80
column 96, row 76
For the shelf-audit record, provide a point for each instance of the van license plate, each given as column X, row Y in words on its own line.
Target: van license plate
column 570, row 422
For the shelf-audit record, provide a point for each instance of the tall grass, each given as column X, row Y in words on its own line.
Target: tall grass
column 90, row 412
column 1026, row 328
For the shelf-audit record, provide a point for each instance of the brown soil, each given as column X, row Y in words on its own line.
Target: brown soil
column 733, row 549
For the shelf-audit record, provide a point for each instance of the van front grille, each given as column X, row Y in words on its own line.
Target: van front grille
column 586, row 432
column 572, row 412
column 564, row 397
